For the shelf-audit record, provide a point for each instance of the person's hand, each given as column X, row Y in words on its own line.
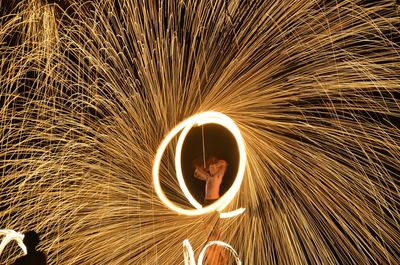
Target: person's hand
column 201, row 173
column 218, row 169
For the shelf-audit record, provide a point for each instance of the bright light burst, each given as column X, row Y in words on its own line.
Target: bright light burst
column 88, row 94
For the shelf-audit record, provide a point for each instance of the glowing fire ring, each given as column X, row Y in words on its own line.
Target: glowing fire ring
column 185, row 126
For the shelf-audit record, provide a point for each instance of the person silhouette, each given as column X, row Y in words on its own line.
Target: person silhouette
column 212, row 173
column 34, row 257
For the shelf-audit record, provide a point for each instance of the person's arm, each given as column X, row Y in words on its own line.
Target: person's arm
column 217, row 172
column 215, row 254
column 201, row 174
column 222, row 166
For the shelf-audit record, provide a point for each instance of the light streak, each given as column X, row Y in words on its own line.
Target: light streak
column 185, row 126
column 10, row 235
column 232, row 213
column 189, row 253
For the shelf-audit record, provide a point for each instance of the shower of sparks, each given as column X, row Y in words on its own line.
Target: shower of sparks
column 89, row 90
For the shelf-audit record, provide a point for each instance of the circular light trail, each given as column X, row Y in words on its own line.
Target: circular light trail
column 221, row 244
column 185, row 126
column 189, row 257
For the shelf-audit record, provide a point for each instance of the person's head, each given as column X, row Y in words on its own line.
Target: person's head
column 199, row 162
column 212, row 160
column 212, row 163
column 31, row 240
